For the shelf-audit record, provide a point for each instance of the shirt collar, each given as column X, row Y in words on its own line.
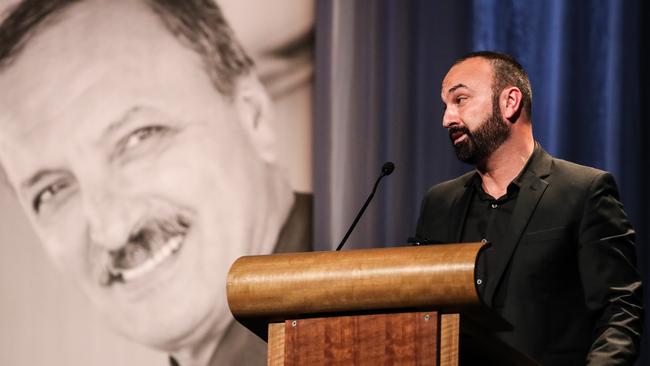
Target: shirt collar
column 517, row 182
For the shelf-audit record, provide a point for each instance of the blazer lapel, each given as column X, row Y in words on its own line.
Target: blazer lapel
column 458, row 211
column 532, row 189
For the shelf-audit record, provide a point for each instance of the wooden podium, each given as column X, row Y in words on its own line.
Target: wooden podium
column 388, row 306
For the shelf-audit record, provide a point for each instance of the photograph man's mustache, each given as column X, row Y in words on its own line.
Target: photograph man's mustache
column 147, row 247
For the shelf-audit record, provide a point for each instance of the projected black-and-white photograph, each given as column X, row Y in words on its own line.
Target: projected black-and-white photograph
column 145, row 146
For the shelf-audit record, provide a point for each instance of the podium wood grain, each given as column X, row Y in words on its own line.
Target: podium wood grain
column 276, row 344
column 378, row 339
column 449, row 339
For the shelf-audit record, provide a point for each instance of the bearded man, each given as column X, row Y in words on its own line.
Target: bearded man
column 560, row 265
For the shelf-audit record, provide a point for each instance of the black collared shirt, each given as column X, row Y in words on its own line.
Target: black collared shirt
column 488, row 220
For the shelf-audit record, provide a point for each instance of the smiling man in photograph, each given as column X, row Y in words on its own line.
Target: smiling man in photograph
column 137, row 138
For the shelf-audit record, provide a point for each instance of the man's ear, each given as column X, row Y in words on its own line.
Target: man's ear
column 511, row 103
column 255, row 111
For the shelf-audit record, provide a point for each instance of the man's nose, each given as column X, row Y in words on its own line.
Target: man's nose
column 449, row 117
column 109, row 219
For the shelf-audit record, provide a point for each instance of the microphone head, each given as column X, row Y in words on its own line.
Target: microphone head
column 387, row 168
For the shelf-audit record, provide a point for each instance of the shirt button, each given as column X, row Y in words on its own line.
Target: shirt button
column 479, row 281
column 494, row 205
column 483, row 241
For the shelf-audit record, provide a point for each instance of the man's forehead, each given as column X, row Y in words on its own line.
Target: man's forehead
column 87, row 25
column 76, row 72
column 473, row 73
column 86, row 46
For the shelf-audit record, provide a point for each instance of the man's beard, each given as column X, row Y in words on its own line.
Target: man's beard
column 481, row 143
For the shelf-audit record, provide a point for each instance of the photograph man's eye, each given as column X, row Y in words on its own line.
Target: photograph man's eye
column 141, row 141
column 48, row 195
column 142, row 134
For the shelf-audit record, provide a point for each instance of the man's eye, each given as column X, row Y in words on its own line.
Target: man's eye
column 141, row 134
column 48, row 194
column 460, row 99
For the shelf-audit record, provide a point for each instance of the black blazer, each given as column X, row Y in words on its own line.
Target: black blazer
column 566, row 270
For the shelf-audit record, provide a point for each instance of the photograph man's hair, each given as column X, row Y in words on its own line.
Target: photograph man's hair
column 507, row 72
column 198, row 24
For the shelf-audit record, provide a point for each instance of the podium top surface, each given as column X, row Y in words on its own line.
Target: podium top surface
column 292, row 284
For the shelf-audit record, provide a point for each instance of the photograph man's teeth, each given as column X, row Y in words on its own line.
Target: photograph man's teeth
column 172, row 245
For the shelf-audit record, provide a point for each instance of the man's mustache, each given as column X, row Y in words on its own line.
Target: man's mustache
column 143, row 241
column 157, row 229
column 458, row 130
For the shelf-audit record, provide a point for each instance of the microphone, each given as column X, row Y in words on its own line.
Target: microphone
column 386, row 169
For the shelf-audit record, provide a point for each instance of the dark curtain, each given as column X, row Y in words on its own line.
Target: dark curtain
column 379, row 68
column 377, row 73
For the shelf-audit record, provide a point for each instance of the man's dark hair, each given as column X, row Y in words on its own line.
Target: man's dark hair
column 507, row 72
column 198, row 24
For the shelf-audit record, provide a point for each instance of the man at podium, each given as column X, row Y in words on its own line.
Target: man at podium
column 560, row 265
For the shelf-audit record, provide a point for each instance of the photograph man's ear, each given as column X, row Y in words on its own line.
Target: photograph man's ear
column 255, row 111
